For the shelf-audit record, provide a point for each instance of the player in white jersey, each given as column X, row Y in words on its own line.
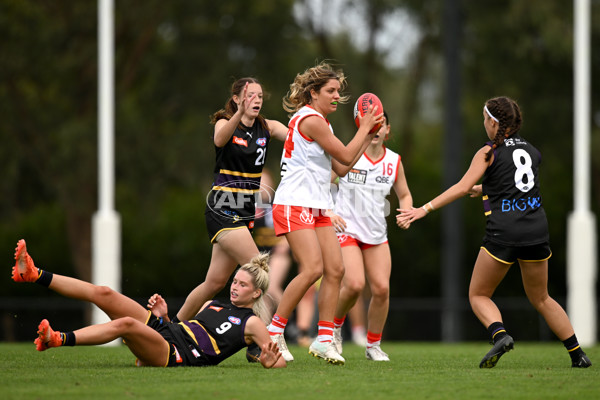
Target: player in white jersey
column 305, row 167
column 302, row 199
column 361, row 207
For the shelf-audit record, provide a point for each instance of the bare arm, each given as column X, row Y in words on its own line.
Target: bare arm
column 404, row 195
column 317, row 129
column 224, row 128
column 256, row 332
column 460, row 189
column 341, row 169
column 278, row 130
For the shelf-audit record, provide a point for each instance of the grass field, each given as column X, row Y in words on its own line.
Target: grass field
column 417, row 371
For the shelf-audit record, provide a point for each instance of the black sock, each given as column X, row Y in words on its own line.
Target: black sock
column 68, row 338
column 45, row 278
column 497, row 331
column 572, row 346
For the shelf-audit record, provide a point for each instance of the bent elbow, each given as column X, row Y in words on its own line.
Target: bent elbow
column 219, row 143
column 462, row 191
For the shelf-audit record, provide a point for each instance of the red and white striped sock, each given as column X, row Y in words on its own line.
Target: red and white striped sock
column 373, row 339
column 325, row 333
column 338, row 322
column 277, row 325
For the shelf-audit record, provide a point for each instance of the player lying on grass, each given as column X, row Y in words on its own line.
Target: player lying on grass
column 216, row 333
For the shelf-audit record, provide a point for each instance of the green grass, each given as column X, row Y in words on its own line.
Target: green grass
column 417, row 371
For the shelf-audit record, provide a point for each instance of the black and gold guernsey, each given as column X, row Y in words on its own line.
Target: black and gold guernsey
column 237, row 173
column 511, row 195
column 216, row 333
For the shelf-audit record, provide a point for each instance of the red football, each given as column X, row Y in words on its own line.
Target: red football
column 362, row 105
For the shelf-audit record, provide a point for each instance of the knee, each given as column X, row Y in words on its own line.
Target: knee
column 311, row 271
column 124, row 325
column 314, row 275
column 335, row 271
column 101, row 292
column 538, row 302
column 354, row 286
column 215, row 285
column 380, row 292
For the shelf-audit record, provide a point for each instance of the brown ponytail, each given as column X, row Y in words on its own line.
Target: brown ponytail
column 508, row 114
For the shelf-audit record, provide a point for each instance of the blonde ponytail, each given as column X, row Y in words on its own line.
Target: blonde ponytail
column 258, row 268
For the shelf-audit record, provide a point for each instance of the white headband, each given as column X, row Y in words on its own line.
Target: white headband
column 490, row 114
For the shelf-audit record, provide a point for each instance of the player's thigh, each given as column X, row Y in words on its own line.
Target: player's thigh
column 487, row 275
column 354, row 275
column 535, row 278
column 306, row 248
column 330, row 251
column 148, row 345
column 378, row 267
column 235, row 248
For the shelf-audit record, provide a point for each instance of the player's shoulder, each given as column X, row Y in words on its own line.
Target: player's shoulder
column 391, row 154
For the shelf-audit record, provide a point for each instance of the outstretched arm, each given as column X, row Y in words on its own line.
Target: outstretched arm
column 460, row 189
column 270, row 356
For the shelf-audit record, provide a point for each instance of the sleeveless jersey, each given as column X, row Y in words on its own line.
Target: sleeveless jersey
column 217, row 332
column 237, row 172
column 361, row 198
column 511, row 195
column 305, row 168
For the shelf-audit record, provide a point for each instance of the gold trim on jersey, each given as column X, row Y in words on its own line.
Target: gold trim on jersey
column 484, row 198
column 235, row 190
column 189, row 332
column 244, row 174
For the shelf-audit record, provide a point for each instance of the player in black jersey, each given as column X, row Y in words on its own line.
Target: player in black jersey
column 516, row 228
column 217, row 332
column 241, row 139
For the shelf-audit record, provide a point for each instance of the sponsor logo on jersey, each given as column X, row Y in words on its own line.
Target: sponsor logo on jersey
column 240, row 141
column 383, row 179
column 234, row 216
column 195, row 352
column 234, row 320
column 514, row 142
column 358, row 176
column 217, row 309
column 521, row 204
column 262, row 142
column 307, row 217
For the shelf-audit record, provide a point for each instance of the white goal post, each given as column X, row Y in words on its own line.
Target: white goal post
column 581, row 227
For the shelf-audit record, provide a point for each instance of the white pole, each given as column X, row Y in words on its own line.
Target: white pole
column 581, row 234
column 106, row 224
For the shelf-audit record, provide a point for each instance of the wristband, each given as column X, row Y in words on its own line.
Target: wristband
column 428, row 208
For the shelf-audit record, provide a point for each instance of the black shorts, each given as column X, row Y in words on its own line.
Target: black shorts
column 181, row 353
column 217, row 222
column 511, row 254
